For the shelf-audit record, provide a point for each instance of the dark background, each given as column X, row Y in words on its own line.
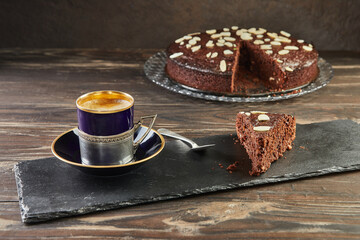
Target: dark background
column 329, row 24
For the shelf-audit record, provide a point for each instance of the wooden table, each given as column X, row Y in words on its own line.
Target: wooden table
column 37, row 103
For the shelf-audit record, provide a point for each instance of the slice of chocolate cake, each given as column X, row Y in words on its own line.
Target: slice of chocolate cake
column 265, row 136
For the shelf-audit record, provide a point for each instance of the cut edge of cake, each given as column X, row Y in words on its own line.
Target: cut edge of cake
column 265, row 137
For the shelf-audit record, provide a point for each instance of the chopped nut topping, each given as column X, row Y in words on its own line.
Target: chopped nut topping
column 246, row 36
column 182, row 43
column 300, row 41
column 247, row 114
column 234, row 28
column 175, row 55
column 187, row 37
column 228, row 44
column 289, row 69
column 179, row 40
column 195, row 33
column 231, row 39
column 291, row 48
column 263, row 117
column 306, row 48
column 269, row 52
column 210, row 43
column 267, row 40
column 219, row 44
column 214, row 55
column 275, row 43
column 256, row 112
column 217, row 35
column 211, row 31
column 265, row 47
column 258, row 42
column 192, row 41
column 272, row 35
column 252, row 30
column 262, row 128
column 282, row 39
column 226, row 34
column 257, row 32
column 223, row 65
column 286, row 34
column 196, row 48
column 228, row 52
column 283, row 52
column 221, row 40
column 188, row 45
column 241, row 31
column 262, row 29
column 208, row 55
column 279, row 61
column 226, row 29
column 310, row 45
column 260, row 36
column 271, row 79
column 197, row 38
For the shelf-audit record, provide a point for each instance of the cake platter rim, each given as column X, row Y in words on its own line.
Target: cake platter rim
column 154, row 69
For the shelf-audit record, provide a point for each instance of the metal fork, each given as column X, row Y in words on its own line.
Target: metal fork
column 194, row 145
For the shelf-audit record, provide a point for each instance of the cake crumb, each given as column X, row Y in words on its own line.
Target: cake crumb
column 233, row 166
column 302, row 147
column 294, row 92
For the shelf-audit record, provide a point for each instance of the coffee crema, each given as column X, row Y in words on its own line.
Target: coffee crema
column 106, row 104
column 104, row 101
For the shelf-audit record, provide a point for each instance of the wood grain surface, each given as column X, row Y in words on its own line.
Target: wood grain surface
column 37, row 103
column 329, row 24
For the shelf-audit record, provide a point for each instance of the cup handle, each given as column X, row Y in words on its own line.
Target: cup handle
column 153, row 118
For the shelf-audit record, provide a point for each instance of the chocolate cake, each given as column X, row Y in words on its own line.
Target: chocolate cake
column 265, row 136
column 232, row 60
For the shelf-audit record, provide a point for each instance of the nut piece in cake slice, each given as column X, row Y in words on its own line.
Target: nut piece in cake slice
column 265, row 137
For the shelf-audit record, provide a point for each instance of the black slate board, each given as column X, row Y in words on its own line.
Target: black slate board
column 49, row 188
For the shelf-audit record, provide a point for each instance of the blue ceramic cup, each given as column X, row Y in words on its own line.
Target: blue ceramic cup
column 105, row 113
column 106, row 128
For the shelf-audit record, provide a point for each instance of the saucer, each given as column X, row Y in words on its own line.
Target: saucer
column 66, row 148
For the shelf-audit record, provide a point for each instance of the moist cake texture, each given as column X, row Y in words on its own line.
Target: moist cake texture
column 265, row 136
column 230, row 59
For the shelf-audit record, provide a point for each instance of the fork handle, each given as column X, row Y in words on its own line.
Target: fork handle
column 168, row 133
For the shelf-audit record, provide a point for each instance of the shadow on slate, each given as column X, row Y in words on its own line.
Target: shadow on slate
column 49, row 188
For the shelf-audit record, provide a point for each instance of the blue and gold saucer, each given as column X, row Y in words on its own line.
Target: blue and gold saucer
column 66, row 148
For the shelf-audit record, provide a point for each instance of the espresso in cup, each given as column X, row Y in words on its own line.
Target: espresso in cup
column 108, row 102
column 105, row 113
column 106, row 128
